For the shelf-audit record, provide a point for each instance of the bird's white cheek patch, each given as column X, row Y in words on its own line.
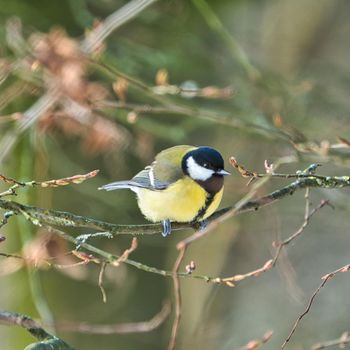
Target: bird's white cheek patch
column 198, row 172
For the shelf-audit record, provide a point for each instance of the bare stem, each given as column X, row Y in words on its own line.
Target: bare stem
column 47, row 341
column 118, row 328
column 177, row 292
column 342, row 341
column 325, row 279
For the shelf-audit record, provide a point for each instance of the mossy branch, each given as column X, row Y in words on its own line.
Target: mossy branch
column 46, row 340
column 40, row 216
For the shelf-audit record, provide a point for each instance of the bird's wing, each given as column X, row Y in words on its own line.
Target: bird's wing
column 146, row 179
column 165, row 170
column 168, row 165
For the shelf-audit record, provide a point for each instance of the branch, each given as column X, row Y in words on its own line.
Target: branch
column 178, row 301
column 268, row 265
column 246, row 204
column 113, row 22
column 325, row 279
column 341, row 342
column 47, row 341
column 122, row 258
column 40, row 216
column 168, row 106
column 256, row 344
column 118, row 328
column 308, row 216
column 75, row 179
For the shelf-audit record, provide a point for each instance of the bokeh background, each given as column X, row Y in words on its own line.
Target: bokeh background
column 268, row 79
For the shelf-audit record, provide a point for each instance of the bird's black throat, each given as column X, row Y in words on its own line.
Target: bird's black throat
column 213, row 185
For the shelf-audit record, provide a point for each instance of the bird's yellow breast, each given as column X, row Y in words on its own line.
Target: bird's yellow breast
column 180, row 202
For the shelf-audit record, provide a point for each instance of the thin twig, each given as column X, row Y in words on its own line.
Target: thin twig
column 110, row 258
column 342, row 341
column 75, row 179
column 12, row 256
column 256, row 344
column 206, row 114
column 270, row 171
column 177, row 293
column 127, row 252
column 113, row 22
column 29, row 117
column 268, row 265
column 11, row 181
column 297, row 233
column 100, row 282
column 118, row 328
column 182, row 247
column 325, row 279
column 247, row 203
column 230, row 281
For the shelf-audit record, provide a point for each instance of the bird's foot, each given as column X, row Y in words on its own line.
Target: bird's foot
column 203, row 224
column 200, row 225
column 166, row 227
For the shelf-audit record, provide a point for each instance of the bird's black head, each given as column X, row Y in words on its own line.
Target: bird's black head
column 205, row 165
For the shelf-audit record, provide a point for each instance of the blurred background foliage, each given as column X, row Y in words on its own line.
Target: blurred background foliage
column 257, row 79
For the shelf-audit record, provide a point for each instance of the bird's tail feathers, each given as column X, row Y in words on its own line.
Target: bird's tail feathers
column 131, row 185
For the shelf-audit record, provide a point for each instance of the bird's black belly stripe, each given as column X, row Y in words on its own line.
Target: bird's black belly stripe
column 203, row 210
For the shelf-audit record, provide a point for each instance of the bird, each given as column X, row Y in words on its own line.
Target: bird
column 183, row 184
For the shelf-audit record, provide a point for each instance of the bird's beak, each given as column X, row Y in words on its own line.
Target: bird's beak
column 223, row 172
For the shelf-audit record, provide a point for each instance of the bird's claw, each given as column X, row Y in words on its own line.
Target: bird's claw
column 200, row 225
column 166, row 227
column 203, row 224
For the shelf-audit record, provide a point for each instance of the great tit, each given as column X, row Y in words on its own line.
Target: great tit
column 183, row 184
